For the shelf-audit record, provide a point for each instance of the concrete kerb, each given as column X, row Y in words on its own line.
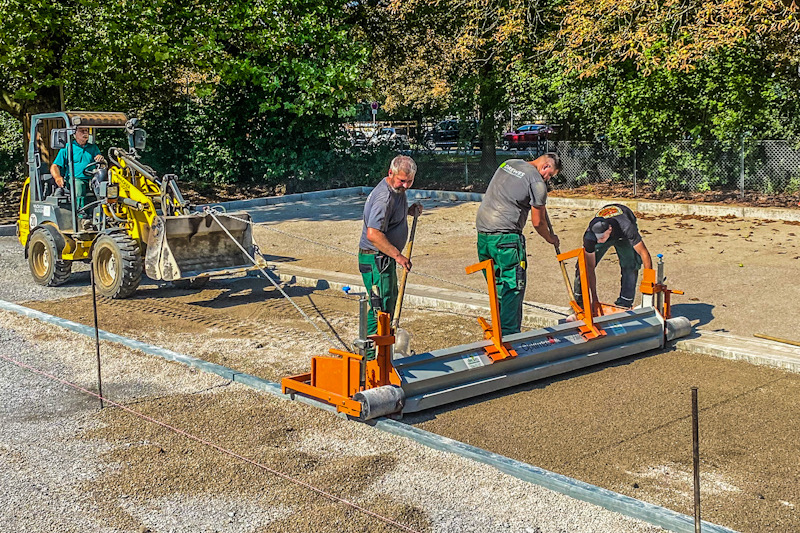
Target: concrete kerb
column 753, row 350
column 642, row 206
column 418, row 296
column 8, row 230
column 573, row 488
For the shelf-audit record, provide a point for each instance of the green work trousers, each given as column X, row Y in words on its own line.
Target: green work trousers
column 82, row 190
column 629, row 264
column 507, row 250
column 378, row 271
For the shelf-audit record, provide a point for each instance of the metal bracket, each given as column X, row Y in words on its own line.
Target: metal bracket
column 499, row 349
column 589, row 330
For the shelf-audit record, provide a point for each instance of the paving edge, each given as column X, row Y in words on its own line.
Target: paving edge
column 643, row 206
column 612, row 501
column 734, row 347
column 8, row 230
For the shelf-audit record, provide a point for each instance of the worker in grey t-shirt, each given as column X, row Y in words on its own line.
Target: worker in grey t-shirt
column 517, row 187
column 384, row 235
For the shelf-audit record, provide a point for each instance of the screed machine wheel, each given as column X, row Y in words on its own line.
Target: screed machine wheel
column 118, row 265
column 45, row 260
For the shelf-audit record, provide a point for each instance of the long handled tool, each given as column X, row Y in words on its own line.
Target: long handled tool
column 403, row 337
column 570, row 294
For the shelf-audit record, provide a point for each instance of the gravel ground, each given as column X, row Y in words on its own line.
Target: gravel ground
column 623, row 426
column 69, row 467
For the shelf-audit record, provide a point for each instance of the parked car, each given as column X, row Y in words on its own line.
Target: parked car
column 527, row 136
column 448, row 134
column 358, row 139
column 389, row 136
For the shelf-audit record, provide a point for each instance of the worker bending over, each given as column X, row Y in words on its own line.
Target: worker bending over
column 516, row 188
column 614, row 225
column 384, row 234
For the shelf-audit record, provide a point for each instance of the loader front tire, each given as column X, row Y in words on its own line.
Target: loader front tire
column 44, row 260
column 117, row 262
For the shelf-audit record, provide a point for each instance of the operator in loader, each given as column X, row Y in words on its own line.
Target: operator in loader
column 614, row 225
column 84, row 153
column 516, row 188
column 384, row 234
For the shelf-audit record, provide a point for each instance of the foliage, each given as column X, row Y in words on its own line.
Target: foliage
column 11, row 167
column 437, row 55
column 731, row 92
column 669, row 35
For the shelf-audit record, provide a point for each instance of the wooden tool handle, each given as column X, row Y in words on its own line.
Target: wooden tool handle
column 561, row 263
column 404, row 275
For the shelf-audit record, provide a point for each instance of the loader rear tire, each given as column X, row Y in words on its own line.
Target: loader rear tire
column 44, row 260
column 117, row 261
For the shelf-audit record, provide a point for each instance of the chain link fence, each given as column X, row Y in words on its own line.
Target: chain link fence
column 764, row 167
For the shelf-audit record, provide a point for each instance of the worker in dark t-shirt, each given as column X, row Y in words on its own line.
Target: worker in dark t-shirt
column 614, row 225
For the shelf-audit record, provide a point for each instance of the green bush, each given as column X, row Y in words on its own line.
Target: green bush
column 11, row 152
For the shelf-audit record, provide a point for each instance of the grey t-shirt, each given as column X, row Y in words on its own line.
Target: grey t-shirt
column 515, row 187
column 385, row 211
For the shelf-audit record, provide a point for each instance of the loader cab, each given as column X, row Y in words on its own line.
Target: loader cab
column 47, row 203
column 48, row 134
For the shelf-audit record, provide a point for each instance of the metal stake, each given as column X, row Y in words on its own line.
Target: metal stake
column 635, row 192
column 96, row 336
column 696, row 460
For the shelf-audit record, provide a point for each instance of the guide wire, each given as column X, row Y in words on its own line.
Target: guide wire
column 330, row 339
column 217, row 447
column 269, row 227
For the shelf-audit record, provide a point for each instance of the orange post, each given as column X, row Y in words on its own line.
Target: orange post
column 585, row 313
column 499, row 350
column 649, row 285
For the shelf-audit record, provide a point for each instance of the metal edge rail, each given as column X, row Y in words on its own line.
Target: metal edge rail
column 612, row 501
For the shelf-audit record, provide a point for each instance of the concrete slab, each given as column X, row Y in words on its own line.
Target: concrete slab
column 753, row 350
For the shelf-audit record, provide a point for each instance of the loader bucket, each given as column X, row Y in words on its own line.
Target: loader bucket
column 186, row 246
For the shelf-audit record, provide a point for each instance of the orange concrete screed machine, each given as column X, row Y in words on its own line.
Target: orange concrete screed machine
column 384, row 386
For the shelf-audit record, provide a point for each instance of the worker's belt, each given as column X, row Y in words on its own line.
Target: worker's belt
column 368, row 252
column 500, row 232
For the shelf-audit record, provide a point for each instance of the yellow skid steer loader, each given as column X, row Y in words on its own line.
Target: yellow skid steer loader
column 129, row 221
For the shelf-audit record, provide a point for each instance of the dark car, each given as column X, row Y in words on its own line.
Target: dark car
column 527, row 136
column 452, row 133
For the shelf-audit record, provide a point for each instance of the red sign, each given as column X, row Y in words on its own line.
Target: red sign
column 374, row 106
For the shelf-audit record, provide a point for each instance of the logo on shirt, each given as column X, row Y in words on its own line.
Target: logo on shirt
column 609, row 212
column 513, row 171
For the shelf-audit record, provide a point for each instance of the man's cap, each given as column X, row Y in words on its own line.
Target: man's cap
column 599, row 226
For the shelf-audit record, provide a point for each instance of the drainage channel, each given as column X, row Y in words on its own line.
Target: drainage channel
column 612, row 501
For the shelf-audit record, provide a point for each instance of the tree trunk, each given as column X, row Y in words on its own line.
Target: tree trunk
column 488, row 127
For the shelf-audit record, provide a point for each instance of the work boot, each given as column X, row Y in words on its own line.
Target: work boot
column 622, row 302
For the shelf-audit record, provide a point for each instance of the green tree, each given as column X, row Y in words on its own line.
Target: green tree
column 454, row 55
